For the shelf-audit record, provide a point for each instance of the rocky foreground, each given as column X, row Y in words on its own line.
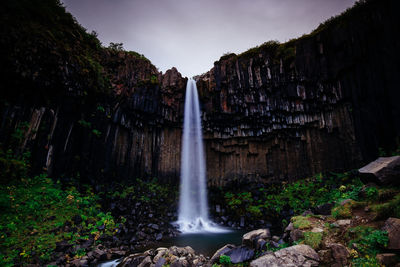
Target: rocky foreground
column 330, row 250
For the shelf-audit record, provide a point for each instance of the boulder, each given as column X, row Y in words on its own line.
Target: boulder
column 387, row 259
column 146, row 262
column 132, row 260
column 339, row 254
column 392, row 226
column 384, row 170
column 250, row 238
column 220, row 252
column 160, row 262
column 299, row 255
column 240, row 254
column 100, row 254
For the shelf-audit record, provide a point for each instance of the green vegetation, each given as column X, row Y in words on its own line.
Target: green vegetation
column 390, row 208
column 313, row 239
column 369, row 242
column 37, row 213
column 298, row 196
column 151, row 192
column 342, row 211
column 225, row 260
column 300, row 222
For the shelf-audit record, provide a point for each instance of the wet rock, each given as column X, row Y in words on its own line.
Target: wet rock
column 250, row 238
column 240, row 254
column 146, row 262
column 132, row 260
column 384, row 170
column 299, row 255
column 392, row 226
column 159, row 237
column 160, row 262
column 260, row 244
column 220, row 252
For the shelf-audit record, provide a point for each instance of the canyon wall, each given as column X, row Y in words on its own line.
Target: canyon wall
column 133, row 133
column 324, row 102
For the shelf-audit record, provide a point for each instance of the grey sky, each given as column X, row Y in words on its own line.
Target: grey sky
column 192, row 34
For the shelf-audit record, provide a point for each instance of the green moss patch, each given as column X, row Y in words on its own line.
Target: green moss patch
column 313, row 239
column 301, row 222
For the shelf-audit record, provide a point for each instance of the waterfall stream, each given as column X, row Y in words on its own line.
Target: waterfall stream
column 193, row 205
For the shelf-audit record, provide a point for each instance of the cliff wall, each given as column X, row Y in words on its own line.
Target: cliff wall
column 324, row 102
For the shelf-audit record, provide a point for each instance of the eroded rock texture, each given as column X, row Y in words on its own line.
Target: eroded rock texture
column 324, row 102
column 134, row 132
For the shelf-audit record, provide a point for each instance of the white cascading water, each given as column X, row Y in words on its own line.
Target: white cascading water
column 193, row 205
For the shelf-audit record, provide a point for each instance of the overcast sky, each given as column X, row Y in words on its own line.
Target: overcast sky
column 191, row 34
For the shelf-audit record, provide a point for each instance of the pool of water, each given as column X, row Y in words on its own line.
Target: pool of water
column 205, row 243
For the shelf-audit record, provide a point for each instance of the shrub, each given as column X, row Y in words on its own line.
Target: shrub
column 313, row 239
column 369, row 241
column 341, row 212
column 388, row 209
column 225, row 260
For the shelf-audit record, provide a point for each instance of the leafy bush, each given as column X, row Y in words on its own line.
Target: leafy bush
column 372, row 193
column 225, row 260
column 369, row 242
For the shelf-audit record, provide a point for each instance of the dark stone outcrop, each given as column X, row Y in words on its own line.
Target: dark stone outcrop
column 324, row 102
column 384, row 170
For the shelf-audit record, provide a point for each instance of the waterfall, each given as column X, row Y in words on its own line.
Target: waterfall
column 193, row 206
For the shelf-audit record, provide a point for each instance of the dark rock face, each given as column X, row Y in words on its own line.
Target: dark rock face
column 133, row 133
column 324, row 102
column 318, row 103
